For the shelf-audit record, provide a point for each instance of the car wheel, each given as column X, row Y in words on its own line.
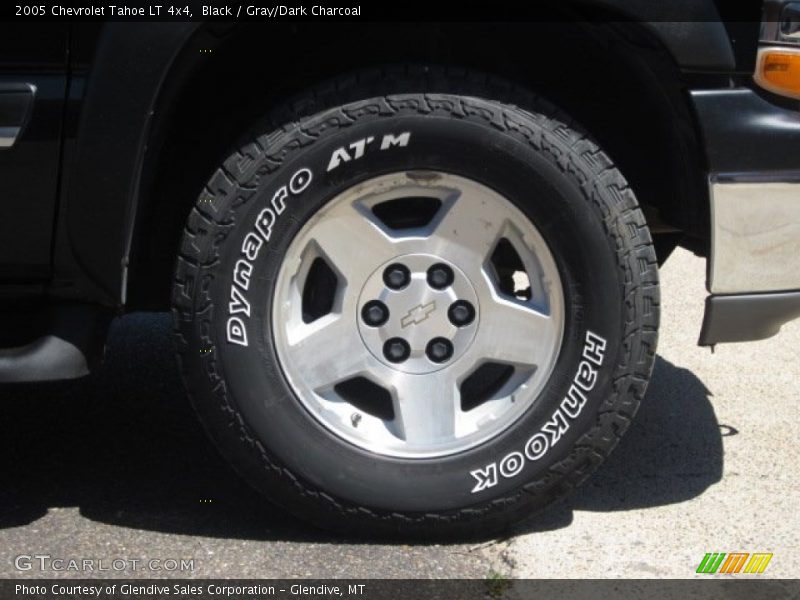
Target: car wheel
column 425, row 303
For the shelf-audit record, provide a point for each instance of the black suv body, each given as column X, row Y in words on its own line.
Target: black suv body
column 108, row 131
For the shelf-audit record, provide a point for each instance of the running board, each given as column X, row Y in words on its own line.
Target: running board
column 68, row 351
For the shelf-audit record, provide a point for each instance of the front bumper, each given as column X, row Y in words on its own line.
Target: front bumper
column 753, row 148
column 747, row 317
column 755, row 234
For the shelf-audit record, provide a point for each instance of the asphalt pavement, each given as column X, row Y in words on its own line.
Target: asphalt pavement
column 115, row 467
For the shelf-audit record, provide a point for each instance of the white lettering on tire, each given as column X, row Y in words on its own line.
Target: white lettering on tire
column 237, row 334
column 556, row 426
column 512, row 464
column 390, row 140
column 297, row 184
column 358, row 148
column 239, row 305
column 536, row 446
column 265, row 222
column 486, row 477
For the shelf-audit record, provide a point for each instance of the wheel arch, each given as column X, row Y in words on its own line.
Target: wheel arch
column 194, row 114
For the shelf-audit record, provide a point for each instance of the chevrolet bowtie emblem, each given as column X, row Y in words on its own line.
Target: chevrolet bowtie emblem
column 418, row 314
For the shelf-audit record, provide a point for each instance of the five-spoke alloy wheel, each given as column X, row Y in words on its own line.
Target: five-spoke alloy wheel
column 417, row 311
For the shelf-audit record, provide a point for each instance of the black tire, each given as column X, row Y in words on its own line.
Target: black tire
column 464, row 124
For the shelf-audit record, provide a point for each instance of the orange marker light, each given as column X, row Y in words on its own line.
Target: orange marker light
column 778, row 70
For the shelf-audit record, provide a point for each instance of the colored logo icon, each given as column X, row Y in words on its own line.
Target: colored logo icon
column 734, row 562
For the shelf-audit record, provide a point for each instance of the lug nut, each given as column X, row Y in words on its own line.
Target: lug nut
column 461, row 313
column 440, row 276
column 439, row 350
column 396, row 276
column 396, row 350
column 375, row 313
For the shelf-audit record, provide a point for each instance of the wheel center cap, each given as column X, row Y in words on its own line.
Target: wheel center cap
column 418, row 313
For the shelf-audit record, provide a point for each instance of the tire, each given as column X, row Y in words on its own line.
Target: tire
column 594, row 278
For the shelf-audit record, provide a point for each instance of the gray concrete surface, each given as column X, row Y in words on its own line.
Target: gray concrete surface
column 115, row 466
column 709, row 465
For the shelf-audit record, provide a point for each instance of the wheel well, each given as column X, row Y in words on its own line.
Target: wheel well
column 615, row 79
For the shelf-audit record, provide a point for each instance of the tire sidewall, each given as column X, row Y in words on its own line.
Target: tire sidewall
column 539, row 180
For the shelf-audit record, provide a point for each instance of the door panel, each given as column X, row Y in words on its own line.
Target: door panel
column 33, row 80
